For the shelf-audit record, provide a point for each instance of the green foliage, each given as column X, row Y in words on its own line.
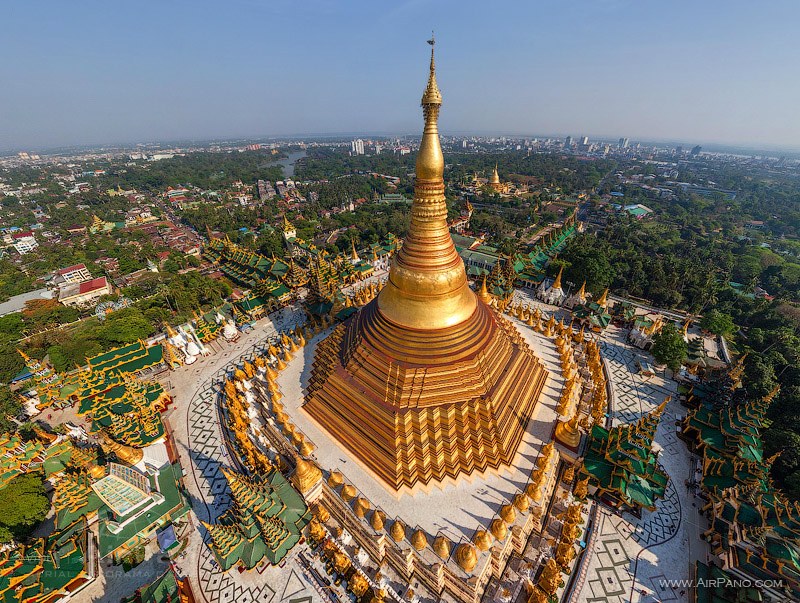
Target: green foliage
column 13, row 281
column 10, row 363
column 206, row 170
column 124, row 326
column 9, row 408
column 23, row 506
column 718, row 323
column 589, row 263
column 669, row 348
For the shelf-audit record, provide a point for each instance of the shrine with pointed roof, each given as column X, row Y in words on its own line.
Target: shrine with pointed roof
column 264, row 521
column 622, row 465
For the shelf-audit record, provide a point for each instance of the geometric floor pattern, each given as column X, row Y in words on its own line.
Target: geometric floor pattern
column 208, row 455
column 621, row 539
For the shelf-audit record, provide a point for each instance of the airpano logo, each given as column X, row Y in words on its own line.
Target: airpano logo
column 721, row 582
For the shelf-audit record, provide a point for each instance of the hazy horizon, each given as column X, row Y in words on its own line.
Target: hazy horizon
column 93, row 74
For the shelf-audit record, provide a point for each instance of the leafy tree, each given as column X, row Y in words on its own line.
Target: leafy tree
column 669, row 348
column 125, row 326
column 718, row 323
column 9, row 408
column 10, row 363
column 23, row 506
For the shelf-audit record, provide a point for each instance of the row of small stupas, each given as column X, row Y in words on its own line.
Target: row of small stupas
column 528, row 266
column 754, row 529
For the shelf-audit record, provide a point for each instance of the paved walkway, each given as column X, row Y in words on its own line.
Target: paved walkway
column 631, row 558
column 199, row 441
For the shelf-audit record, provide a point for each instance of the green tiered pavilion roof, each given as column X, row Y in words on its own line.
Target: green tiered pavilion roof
column 621, row 464
column 264, row 521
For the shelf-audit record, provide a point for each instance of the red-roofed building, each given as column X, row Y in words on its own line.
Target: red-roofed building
column 73, row 274
column 85, row 293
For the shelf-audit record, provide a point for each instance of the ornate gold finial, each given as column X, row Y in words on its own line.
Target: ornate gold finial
column 482, row 540
column 398, row 530
column 432, row 95
column 466, row 557
column 483, row 294
column 306, row 475
column 418, row 540
column 442, row 547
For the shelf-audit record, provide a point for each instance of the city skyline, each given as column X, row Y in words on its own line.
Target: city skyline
column 201, row 72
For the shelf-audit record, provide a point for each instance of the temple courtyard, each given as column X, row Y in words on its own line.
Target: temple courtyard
column 627, row 557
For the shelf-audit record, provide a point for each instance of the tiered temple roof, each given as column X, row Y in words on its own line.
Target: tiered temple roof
column 18, row 456
column 594, row 314
column 265, row 519
column 47, row 568
column 754, row 527
column 126, row 408
column 108, row 391
column 621, row 464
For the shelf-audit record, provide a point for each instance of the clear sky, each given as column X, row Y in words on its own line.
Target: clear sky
column 91, row 72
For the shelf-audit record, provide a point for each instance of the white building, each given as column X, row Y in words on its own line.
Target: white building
column 24, row 242
column 357, row 147
column 73, row 274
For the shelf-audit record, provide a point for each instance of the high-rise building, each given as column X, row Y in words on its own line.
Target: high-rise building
column 568, row 141
column 623, row 143
column 357, row 147
column 696, row 150
column 427, row 384
column 585, row 141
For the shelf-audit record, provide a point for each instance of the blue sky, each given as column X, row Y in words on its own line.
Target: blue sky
column 91, row 72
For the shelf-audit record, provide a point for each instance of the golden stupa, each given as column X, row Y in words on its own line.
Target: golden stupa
column 426, row 382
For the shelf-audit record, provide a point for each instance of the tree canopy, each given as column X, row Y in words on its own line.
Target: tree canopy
column 23, row 506
column 669, row 348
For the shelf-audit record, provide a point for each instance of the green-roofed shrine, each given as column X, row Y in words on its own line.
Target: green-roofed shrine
column 622, row 466
column 264, row 521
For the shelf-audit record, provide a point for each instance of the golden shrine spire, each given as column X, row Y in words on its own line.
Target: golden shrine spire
column 427, row 286
column 557, row 282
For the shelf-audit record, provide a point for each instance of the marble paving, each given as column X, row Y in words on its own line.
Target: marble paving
column 630, row 556
column 198, row 434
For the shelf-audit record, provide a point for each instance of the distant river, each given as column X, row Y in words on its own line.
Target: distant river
column 288, row 163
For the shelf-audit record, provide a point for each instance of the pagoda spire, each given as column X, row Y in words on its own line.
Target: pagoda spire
column 483, row 294
column 603, row 301
column 557, row 282
column 427, row 286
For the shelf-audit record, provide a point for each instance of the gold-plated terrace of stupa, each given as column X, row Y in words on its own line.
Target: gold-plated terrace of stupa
column 426, row 383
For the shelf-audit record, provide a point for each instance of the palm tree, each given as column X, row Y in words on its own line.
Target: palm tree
column 164, row 290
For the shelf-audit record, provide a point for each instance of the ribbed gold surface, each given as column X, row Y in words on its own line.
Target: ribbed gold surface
column 417, row 407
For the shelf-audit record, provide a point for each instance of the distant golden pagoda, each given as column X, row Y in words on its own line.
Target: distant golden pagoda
column 495, row 184
column 426, row 382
